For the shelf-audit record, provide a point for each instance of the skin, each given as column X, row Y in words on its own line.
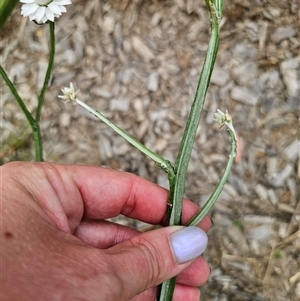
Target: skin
column 57, row 245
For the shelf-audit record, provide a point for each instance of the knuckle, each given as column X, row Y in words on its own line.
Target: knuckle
column 151, row 260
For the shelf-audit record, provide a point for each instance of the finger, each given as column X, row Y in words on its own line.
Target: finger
column 181, row 292
column 186, row 293
column 103, row 234
column 196, row 274
column 108, row 193
column 96, row 192
column 153, row 257
column 125, row 193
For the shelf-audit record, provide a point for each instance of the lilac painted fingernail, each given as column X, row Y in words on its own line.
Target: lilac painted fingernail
column 188, row 243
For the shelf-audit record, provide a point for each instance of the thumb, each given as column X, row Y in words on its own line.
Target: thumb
column 148, row 259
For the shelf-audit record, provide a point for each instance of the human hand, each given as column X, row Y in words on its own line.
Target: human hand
column 56, row 244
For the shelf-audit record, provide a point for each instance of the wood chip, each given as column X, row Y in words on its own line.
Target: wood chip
column 243, row 95
column 153, row 82
column 141, row 49
column 278, row 179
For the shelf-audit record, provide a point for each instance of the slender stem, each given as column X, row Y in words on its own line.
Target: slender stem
column 166, row 290
column 163, row 163
column 32, row 122
column 185, row 150
column 169, row 286
column 6, row 9
column 213, row 198
column 48, row 72
column 19, row 100
column 38, row 143
column 37, row 136
column 35, row 122
column 186, row 146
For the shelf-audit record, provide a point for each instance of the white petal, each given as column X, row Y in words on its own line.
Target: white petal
column 63, row 9
column 49, row 15
column 27, row 1
column 63, row 2
column 31, row 17
column 220, row 112
column 54, row 8
column 40, row 13
column 44, row 19
column 43, row 10
column 28, row 9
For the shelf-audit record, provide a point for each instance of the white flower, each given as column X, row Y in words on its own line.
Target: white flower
column 224, row 119
column 220, row 117
column 41, row 11
column 69, row 93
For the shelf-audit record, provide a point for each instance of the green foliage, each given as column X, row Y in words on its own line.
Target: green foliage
column 6, row 9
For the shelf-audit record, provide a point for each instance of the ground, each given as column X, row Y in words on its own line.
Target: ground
column 138, row 62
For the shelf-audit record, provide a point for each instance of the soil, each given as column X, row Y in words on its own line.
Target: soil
column 138, row 62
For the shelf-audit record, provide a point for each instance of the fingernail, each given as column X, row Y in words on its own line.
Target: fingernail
column 188, row 243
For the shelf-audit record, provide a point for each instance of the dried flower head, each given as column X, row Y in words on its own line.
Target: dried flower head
column 224, row 119
column 42, row 11
column 220, row 117
column 69, row 93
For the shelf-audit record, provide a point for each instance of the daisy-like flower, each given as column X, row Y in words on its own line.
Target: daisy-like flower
column 69, row 93
column 42, row 11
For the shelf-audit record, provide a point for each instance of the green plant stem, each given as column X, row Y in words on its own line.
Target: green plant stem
column 38, row 143
column 37, row 136
column 185, row 150
column 187, row 142
column 19, row 100
column 216, row 193
column 41, row 98
column 6, row 9
column 35, row 122
column 32, row 122
column 163, row 163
